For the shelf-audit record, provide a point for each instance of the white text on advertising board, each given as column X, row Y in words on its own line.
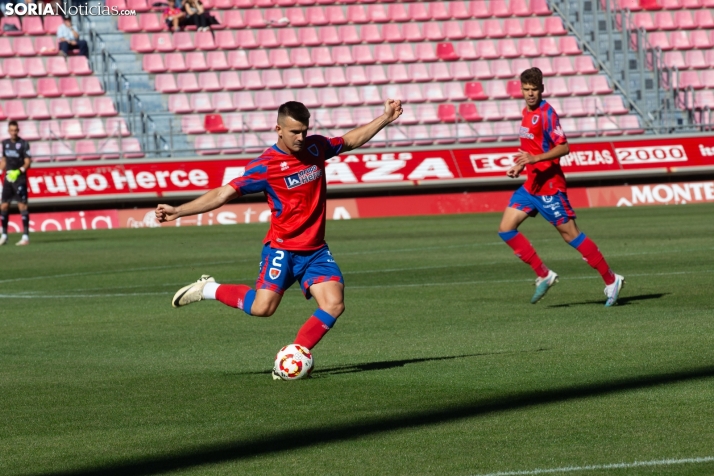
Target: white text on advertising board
column 492, row 162
column 651, row 155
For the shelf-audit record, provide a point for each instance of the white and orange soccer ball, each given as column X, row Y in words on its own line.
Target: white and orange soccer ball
column 293, row 362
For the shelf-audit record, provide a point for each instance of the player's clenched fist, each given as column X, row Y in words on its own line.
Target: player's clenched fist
column 393, row 109
column 166, row 213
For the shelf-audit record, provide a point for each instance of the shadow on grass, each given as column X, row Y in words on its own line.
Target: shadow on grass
column 286, row 440
column 386, row 364
column 623, row 301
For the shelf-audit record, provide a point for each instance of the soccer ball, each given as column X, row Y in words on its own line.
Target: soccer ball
column 293, row 362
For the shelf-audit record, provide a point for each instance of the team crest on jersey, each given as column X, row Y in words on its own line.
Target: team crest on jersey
column 284, row 166
column 274, row 273
column 534, row 120
column 547, row 198
column 304, row 176
column 314, row 150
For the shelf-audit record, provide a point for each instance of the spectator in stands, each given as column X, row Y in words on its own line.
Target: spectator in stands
column 196, row 15
column 174, row 18
column 69, row 39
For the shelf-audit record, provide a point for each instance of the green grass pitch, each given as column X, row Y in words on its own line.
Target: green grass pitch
column 439, row 365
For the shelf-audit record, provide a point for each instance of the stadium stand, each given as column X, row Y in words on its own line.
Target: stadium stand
column 60, row 104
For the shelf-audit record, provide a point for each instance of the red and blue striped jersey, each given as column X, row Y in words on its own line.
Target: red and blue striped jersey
column 540, row 132
column 295, row 186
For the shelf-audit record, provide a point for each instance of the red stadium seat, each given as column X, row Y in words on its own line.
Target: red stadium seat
column 521, row 8
column 254, row 19
column 584, row 65
column 335, row 15
column 315, row 78
column 252, row 80
column 502, row 69
column 371, row 33
column 62, row 151
column 376, row 74
column 480, row 9
column 680, row 40
column 292, row 78
column 234, row 19
column 316, row 16
column 513, row 88
column 370, row 95
column 512, row 109
column 321, row 56
column 548, row 46
column 569, row 46
column 182, row 40
column 363, row 55
column 83, row 107
column 630, row 124
column 684, row 20
column 494, row 29
column 37, row 109
column 238, row 60
column 440, row 72
column 329, row 36
column 150, row 22
column 507, row 49
column 499, row 8
column 195, row 61
column 425, row 51
column 329, row 98
column 69, row 87
column 659, row 39
column 514, row 28
column 187, row 83
column 126, row 24
column 444, row 52
column 15, row 68
column 704, row 19
column 50, row 130
column 397, row 73
column 600, row 85
column 47, row 87
column 72, row 129
column 25, row 88
column 24, row 46
column 78, row 65
column 222, row 102
column 475, row 91
column 335, row 77
column 397, row 12
column 46, row 46
column 201, row 102
column 700, row 39
column 52, row 22
column 695, row 59
column 554, row 26
column 473, row 30
column 570, row 106
column 244, row 101
column 56, row 66
column 433, row 32
column 528, row 48
column 481, row 70
column 141, row 43
column 469, row 112
column 534, row 27
column 225, row 40
column 309, row 37
column 453, row 31
column 14, row 21
column 447, row 113
column 577, row 85
column 228, row 144
column 7, row 89
column 86, row 150
column 153, row 63
column 60, row 109
column 490, row 111
column 392, row 33
column 258, row 59
column 342, row 55
column 104, row 106
column 230, row 81
column 614, row 105
column 690, row 79
column 540, row 8
column 94, row 128
column 563, row 66
column 453, row 91
column 309, row 98
column 486, row 49
column 439, row 11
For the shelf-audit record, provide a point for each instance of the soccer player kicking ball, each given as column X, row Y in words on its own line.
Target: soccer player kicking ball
column 542, row 144
column 291, row 174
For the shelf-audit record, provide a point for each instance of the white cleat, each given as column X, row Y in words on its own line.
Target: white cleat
column 23, row 242
column 3, row 240
column 543, row 285
column 191, row 293
column 612, row 291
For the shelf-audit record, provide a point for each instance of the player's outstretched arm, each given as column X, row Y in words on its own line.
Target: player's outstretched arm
column 205, row 203
column 358, row 137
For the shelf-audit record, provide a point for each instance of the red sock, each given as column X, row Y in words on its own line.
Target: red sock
column 525, row 251
column 236, row 295
column 314, row 329
column 591, row 255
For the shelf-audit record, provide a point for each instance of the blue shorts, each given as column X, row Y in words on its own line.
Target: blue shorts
column 279, row 269
column 554, row 208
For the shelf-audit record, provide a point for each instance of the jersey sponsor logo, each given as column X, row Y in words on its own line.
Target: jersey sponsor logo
column 274, row 273
column 284, row 166
column 304, row 176
column 18, row 145
column 534, row 120
column 525, row 133
column 547, row 198
column 558, row 131
column 314, row 150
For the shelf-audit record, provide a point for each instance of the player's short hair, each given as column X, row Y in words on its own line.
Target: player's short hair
column 296, row 110
column 532, row 76
column 13, row 123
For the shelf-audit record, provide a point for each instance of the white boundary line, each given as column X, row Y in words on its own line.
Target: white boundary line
column 25, row 295
column 636, row 464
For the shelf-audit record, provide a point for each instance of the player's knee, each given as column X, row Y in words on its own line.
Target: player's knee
column 335, row 309
column 263, row 309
